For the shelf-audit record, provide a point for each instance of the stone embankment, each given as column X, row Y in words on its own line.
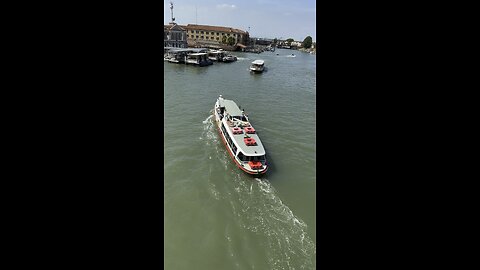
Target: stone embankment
column 309, row 50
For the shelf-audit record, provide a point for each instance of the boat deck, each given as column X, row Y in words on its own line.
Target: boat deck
column 230, row 107
column 252, row 150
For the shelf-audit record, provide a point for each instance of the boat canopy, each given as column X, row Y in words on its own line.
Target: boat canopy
column 258, row 62
column 197, row 54
column 179, row 50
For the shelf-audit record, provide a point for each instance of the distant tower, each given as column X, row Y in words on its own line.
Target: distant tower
column 171, row 10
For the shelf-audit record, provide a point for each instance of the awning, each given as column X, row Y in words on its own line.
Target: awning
column 241, row 45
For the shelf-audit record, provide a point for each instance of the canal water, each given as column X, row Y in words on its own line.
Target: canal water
column 216, row 216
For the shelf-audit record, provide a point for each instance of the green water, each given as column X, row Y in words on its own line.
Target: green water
column 216, row 216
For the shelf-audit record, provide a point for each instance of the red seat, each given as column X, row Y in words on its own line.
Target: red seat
column 255, row 164
column 237, row 130
column 249, row 130
column 249, row 141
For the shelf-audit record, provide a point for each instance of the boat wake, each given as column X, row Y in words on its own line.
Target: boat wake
column 208, row 134
column 257, row 208
column 261, row 211
column 208, row 119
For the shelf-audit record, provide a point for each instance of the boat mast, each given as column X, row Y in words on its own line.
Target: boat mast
column 171, row 12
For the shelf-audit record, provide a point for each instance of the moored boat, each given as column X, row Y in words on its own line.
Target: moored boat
column 198, row 59
column 257, row 66
column 239, row 136
column 216, row 55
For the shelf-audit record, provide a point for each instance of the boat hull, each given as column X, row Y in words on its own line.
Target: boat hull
column 256, row 70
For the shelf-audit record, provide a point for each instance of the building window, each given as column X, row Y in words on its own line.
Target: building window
column 211, row 33
column 201, row 32
column 201, row 37
column 196, row 31
column 228, row 34
column 218, row 33
column 191, row 31
column 218, row 38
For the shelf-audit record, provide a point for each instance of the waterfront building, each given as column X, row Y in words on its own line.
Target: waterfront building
column 296, row 44
column 214, row 35
column 174, row 36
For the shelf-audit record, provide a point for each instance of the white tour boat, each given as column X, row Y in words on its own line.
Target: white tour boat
column 257, row 66
column 240, row 138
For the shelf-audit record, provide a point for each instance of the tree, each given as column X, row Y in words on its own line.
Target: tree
column 290, row 40
column 307, row 42
column 275, row 41
column 224, row 39
column 230, row 41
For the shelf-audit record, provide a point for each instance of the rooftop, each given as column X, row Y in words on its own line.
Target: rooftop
column 231, row 107
column 214, row 28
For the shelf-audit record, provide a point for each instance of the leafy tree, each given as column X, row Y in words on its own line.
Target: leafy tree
column 290, row 40
column 307, row 42
column 275, row 41
column 230, row 41
column 224, row 39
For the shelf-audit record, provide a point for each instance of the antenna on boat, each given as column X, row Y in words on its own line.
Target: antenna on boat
column 171, row 11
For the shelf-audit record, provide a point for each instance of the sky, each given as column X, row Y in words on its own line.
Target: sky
column 280, row 19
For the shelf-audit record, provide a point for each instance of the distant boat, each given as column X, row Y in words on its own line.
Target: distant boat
column 257, row 66
column 198, row 59
column 229, row 58
column 216, row 55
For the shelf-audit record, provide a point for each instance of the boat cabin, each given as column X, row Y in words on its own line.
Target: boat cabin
column 257, row 66
column 216, row 55
column 199, row 59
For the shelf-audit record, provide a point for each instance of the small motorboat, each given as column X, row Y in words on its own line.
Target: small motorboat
column 229, row 58
column 257, row 66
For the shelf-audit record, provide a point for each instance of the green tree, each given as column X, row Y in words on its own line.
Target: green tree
column 307, row 42
column 275, row 41
column 230, row 41
column 290, row 40
column 224, row 39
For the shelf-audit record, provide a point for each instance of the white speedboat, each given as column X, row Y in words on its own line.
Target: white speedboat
column 240, row 138
column 229, row 58
column 257, row 66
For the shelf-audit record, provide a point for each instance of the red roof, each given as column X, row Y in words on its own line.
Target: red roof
column 214, row 28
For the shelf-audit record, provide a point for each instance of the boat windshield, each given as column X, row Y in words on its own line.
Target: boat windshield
column 242, row 157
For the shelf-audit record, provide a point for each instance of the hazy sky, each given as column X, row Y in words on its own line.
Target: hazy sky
column 266, row 18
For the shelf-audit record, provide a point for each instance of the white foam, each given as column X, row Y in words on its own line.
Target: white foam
column 208, row 118
column 260, row 210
